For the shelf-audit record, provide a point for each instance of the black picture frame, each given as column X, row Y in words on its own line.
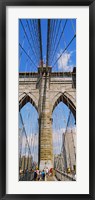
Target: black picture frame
column 3, row 164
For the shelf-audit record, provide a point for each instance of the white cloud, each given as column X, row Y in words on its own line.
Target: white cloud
column 59, row 131
column 32, row 140
column 65, row 63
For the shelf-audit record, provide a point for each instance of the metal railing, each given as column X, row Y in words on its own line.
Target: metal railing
column 28, row 176
column 63, row 176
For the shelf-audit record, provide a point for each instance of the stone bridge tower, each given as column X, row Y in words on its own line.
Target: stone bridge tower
column 45, row 121
column 45, row 89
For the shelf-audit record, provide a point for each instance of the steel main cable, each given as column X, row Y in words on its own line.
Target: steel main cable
column 56, row 22
column 32, row 40
column 31, row 61
column 52, row 35
column 35, row 39
column 25, row 132
column 59, row 41
column 50, row 38
column 26, row 36
column 28, row 55
column 23, row 41
column 56, row 35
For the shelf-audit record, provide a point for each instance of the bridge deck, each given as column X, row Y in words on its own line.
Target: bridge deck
column 51, row 178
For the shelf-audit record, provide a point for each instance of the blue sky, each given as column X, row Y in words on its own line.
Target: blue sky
column 66, row 63
column 30, row 119
column 70, row 29
column 44, row 38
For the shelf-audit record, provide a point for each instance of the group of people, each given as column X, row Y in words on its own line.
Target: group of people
column 40, row 175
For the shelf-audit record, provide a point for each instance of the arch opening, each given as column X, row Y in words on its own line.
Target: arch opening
column 67, row 101
column 25, row 99
column 28, row 137
column 64, row 138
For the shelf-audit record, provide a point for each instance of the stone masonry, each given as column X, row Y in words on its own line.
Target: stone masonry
column 45, row 89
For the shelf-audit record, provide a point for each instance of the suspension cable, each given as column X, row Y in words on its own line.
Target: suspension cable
column 64, row 49
column 27, row 55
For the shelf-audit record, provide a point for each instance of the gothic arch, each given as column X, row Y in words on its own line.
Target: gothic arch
column 25, row 98
column 67, row 99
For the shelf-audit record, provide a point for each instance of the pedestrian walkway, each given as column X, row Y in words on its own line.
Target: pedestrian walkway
column 37, row 176
column 51, row 178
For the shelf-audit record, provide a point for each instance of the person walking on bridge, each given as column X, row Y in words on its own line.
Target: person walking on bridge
column 35, row 175
column 43, row 175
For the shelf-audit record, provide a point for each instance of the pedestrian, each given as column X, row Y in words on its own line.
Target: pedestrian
column 35, row 175
column 47, row 171
column 50, row 171
column 38, row 175
column 43, row 175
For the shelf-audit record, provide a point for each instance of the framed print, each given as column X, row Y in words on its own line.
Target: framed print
column 47, row 99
